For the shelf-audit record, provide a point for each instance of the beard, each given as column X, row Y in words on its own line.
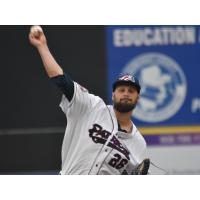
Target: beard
column 124, row 107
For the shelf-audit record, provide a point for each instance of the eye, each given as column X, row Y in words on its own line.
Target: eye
column 132, row 90
column 121, row 89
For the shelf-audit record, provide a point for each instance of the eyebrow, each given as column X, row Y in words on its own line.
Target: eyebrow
column 125, row 86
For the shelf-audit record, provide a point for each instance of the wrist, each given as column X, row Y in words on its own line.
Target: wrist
column 42, row 47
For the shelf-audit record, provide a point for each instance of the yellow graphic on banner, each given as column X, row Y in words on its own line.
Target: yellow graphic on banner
column 170, row 130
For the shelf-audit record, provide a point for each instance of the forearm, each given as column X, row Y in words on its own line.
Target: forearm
column 55, row 72
column 51, row 66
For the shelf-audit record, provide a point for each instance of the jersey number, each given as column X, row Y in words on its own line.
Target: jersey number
column 117, row 162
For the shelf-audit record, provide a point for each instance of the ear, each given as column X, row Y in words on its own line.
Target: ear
column 113, row 96
column 138, row 97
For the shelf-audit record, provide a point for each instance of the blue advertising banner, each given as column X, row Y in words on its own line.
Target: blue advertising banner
column 166, row 60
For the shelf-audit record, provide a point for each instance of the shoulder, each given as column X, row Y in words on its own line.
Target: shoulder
column 80, row 87
column 83, row 95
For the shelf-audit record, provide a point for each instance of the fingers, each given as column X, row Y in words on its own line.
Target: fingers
column 35, row 31
column 37, row 37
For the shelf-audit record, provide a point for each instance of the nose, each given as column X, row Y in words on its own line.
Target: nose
column 126, row 93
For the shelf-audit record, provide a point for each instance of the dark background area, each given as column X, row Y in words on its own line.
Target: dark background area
column 29, row 102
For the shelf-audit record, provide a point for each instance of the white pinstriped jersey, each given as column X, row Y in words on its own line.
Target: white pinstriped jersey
column 92, row 143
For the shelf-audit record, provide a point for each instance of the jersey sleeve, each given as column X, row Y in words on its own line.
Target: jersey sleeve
column 81, row 103
column 65, row 84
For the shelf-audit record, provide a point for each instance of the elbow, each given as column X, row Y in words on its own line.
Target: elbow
column 54, row 73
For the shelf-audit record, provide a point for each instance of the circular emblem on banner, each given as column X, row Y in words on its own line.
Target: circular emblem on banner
column 163, row 86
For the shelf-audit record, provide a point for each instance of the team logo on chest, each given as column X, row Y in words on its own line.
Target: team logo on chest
column 99, row 135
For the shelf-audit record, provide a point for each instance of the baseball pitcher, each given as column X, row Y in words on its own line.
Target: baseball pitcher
column 99, row 139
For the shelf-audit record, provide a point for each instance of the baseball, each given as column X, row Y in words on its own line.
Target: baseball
column 36, row 30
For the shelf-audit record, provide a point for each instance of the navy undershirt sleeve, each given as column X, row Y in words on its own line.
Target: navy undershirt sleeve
column 65, row 84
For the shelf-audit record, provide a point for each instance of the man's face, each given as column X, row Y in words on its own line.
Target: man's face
column 125, row 98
